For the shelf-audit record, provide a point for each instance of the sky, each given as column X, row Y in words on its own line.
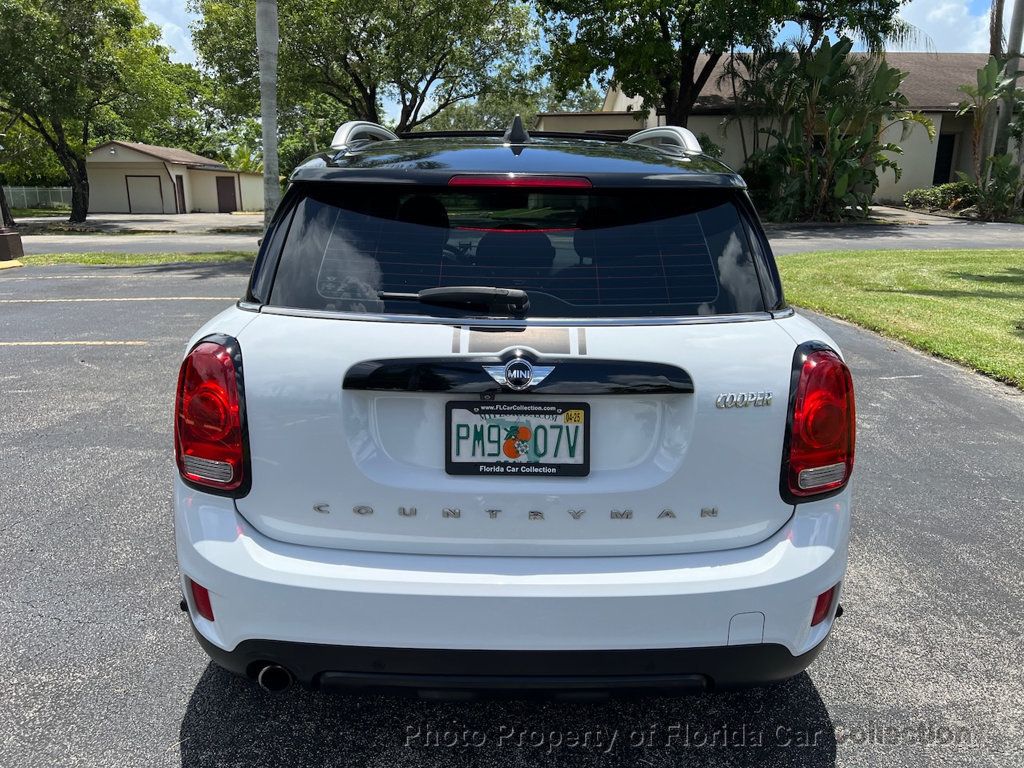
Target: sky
column 945, row 25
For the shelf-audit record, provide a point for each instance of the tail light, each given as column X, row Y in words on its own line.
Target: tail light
column 818, row 455
column 209, row 436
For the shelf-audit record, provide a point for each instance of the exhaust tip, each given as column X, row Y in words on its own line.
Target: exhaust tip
column 274, row 678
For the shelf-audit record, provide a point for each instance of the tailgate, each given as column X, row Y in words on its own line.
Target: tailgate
column 374, row 469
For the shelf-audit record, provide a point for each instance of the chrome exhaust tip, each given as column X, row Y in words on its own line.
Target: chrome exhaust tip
column 274, row 678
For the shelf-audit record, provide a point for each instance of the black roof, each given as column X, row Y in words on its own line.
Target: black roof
column 435, row 158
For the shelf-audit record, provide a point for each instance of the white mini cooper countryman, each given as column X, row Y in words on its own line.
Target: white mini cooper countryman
column 513, row 412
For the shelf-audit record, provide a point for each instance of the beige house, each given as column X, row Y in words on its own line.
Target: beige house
column 931, row 87
column 141, row 178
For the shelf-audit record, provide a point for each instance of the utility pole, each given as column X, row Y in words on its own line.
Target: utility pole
column 1013, row 44
column 266, row 44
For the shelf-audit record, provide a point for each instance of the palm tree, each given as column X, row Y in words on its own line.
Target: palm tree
column 266, row 43
column 995, row 29
column 980, row 103
column 1013, row 52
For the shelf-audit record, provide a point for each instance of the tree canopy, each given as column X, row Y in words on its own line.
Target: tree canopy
column 495, row 109
column 25, row 160
column 78, row 71
column 665, row 52
column 426, row 55
column 874, row 22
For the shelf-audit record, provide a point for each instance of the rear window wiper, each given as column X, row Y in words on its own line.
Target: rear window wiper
column 511, row 301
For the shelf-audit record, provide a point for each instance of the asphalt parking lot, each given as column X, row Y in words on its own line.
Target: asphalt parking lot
column 100, row 669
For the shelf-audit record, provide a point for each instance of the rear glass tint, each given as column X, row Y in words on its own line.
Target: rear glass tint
column 577, row 253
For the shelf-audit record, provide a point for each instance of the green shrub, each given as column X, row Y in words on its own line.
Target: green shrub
column 954, row 196
column 829, row 148
column 999, row 190
column 710, row 148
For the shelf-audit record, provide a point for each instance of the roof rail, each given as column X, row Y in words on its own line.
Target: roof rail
column 360, row 130
column 671, row 135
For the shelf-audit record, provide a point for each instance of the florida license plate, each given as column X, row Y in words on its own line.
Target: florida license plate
column 518, row 439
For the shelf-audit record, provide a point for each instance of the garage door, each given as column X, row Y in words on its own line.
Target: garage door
column 144, row 194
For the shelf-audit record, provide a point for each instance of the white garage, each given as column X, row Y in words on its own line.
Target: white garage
column 126, row 177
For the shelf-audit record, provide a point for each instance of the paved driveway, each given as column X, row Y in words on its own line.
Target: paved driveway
column 100, row 668
column 907, row 230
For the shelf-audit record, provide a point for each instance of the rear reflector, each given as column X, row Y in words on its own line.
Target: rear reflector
column 821, row 440
column 515, row 180
column 823, row 606
column 201, row 600
column 208, row 436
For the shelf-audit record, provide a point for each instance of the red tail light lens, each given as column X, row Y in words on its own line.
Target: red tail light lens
column 514, row 180
column 208, row 435
column 201, row 600
column 822, row 436
column 823, row 606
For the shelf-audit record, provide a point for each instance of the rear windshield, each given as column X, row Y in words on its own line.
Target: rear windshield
column 576, row 253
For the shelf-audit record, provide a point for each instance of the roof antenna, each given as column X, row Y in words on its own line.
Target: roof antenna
column 516, row 134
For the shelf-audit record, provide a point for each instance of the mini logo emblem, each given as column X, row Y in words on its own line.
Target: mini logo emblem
column 518, row 374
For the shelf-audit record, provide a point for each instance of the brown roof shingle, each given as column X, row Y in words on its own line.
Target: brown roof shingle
column 169, row 154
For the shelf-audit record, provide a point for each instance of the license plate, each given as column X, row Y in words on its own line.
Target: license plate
column 518, row 439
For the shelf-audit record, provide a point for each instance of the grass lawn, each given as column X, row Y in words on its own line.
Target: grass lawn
column 31, row 213
column 966, row 306
column 137, row 259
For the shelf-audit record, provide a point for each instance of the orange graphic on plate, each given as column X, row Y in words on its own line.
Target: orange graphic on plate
column 517, row 440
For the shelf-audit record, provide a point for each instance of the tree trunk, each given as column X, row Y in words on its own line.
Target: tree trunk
column 73, row 165
column 691, row 83
column 75, row 168
column 1001, row 141
column 995, row 29
column 79, row 199
column 6, row 219
column 678, row 114
column 267, row 42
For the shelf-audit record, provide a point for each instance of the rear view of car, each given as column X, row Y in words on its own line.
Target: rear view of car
column 524, row 413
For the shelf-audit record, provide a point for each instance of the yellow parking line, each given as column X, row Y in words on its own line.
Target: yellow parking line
column 73, row 343
column 119, row 298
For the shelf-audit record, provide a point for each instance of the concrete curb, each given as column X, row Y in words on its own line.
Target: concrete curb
column 10, row 264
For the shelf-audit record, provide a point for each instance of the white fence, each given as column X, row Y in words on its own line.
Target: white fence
column 38, row 197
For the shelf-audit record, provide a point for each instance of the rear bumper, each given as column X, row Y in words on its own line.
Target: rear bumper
column 336, row 667
column 364, row 612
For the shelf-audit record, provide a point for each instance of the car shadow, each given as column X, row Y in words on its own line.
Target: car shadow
column 230, row 721
column 189, row 270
